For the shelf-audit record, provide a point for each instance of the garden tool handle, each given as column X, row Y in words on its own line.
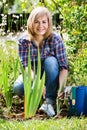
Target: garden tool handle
column 73, row 95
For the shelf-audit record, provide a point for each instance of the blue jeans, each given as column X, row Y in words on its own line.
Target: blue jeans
column 51, row 69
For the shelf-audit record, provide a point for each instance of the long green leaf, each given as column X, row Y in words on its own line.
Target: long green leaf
column 32, row 91
column 7, row 92
column 36, row 83
column 39, row 93
column 15, row 68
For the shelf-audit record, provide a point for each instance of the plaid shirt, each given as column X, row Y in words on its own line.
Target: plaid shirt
column 50, row 47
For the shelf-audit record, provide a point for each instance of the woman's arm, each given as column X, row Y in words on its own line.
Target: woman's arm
column 62, row 81
column 60, row 53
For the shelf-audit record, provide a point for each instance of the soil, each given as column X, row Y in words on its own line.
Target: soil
column 17, row 110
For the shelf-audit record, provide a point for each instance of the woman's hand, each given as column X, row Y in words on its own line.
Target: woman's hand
column 62, row 82
column 61, row 95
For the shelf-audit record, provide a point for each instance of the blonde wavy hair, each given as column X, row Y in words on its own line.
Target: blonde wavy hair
column 36, row 13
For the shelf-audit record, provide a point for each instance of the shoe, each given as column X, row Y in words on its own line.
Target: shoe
column 48, row 109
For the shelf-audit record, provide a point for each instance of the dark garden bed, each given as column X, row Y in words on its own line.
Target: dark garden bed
column 17, row 110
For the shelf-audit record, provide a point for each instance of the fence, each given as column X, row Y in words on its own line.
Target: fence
column 17, row 22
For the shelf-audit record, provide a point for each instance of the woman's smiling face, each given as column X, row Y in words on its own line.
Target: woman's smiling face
column 40, row 25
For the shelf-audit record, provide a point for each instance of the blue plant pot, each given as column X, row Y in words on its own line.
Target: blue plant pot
column 80, row 99
column 85, row 105
column 80, row 96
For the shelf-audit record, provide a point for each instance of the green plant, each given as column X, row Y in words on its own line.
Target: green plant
column 32, row 90
column 15, row 67
column 7, row 80
column 74, row 24
column 7, row 89
column 59, row 99
column 78, row 67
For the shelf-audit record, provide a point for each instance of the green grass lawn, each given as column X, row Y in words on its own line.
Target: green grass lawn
column 49, row 124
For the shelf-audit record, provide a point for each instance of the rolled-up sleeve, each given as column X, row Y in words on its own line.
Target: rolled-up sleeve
column 61, row 53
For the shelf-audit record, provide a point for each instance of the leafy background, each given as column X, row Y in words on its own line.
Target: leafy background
column 73, row 17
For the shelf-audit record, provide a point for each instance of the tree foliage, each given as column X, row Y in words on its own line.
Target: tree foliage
column 74, row 24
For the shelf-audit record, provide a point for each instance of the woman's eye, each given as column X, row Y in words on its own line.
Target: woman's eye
column 44, row 21
column 35, row 21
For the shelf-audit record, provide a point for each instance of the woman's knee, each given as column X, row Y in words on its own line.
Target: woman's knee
column 18, row 87
column 51, row 64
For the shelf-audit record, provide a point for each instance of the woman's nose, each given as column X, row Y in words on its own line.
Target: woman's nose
column 40, row 24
